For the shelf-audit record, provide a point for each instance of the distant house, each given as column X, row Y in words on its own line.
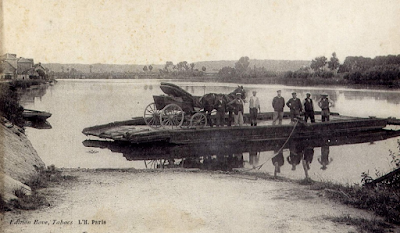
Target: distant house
column 40, row 71
column 7, row 71
column 24, row 67
column 12, row 67
column 8, row 66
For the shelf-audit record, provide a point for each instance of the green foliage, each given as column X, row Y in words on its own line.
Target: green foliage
column 318, row 63
column 3, row 205
column 383, row 202
column 9, row 105
column 333, row 63
column 364, row 225
column 302, row 74
column 388, row 75
column 36, row 200
column 46, row 176
column 227, row 71
column 28, row 202
column 352, row 64
column 242, row 65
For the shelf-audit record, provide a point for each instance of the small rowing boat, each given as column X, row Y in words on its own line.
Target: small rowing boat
column 35, row 115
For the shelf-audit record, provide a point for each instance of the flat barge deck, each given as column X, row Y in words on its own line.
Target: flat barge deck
column 136, row 131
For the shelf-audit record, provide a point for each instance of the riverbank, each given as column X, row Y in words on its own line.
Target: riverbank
column 129, row 200
column 20, row 163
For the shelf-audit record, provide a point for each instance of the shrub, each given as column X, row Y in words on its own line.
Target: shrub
column 9, row 105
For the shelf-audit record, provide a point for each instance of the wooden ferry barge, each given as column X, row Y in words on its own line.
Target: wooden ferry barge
column 136, row 131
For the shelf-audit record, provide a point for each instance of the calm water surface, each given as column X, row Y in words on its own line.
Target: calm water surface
column 76, row 104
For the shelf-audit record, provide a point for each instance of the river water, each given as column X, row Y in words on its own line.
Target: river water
column 76, row 104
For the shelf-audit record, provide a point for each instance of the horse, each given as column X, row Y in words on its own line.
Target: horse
column 209, row 101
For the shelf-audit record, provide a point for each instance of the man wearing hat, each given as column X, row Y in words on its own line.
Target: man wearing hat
column 237, row 104
column 278, row 103
column 295, row 107
column 309, row 109
column 254, row 106
column 325, row 104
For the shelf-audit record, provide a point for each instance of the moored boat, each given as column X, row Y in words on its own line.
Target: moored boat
column 35, row 115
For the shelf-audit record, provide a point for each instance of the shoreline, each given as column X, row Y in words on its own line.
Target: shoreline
column 186, row 200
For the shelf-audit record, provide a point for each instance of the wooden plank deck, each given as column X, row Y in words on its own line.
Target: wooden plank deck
column 135, row 132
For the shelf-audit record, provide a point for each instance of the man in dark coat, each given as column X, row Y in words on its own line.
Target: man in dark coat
column 295, row 107
column 309, row 109
column 221, row 108
column 278, row 103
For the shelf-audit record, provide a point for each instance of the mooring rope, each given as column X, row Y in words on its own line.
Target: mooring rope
column 280, row 149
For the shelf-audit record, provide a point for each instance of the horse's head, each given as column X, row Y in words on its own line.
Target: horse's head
column 240, row 90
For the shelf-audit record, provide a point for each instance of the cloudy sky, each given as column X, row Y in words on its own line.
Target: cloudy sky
column 156, row 31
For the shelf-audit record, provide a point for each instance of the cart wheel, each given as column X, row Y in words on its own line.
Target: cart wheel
column 152, row 116
column 172, row 116
column 198, row 120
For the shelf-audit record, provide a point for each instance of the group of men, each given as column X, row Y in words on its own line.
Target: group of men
column 296, row 108
column 278, row 103
column 236, row 109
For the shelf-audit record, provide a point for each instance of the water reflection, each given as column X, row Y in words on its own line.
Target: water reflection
column 278, row 161
column 38, row 124
column 229, row 157
column 325, row 160
column 390, row 97
column 27, row 96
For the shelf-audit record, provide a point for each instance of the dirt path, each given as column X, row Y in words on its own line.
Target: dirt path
column 174, row 201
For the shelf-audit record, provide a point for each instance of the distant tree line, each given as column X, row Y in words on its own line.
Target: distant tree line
column 181, row 69
column 381, row 70
column 243, row 70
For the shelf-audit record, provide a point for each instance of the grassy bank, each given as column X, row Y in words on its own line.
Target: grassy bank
column 36, row 199
column 382, row 201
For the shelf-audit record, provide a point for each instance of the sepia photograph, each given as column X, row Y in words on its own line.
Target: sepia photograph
column 199, row 116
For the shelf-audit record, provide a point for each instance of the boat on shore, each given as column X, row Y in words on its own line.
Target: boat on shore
column 35, row 115
column 136, row 131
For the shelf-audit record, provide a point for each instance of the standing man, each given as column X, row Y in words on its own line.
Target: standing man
column 254, row 108
column 295, row 107
column 238, row 103
column 220, row 106
column 325, row 104
column 309, row 109
column 278, row 103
